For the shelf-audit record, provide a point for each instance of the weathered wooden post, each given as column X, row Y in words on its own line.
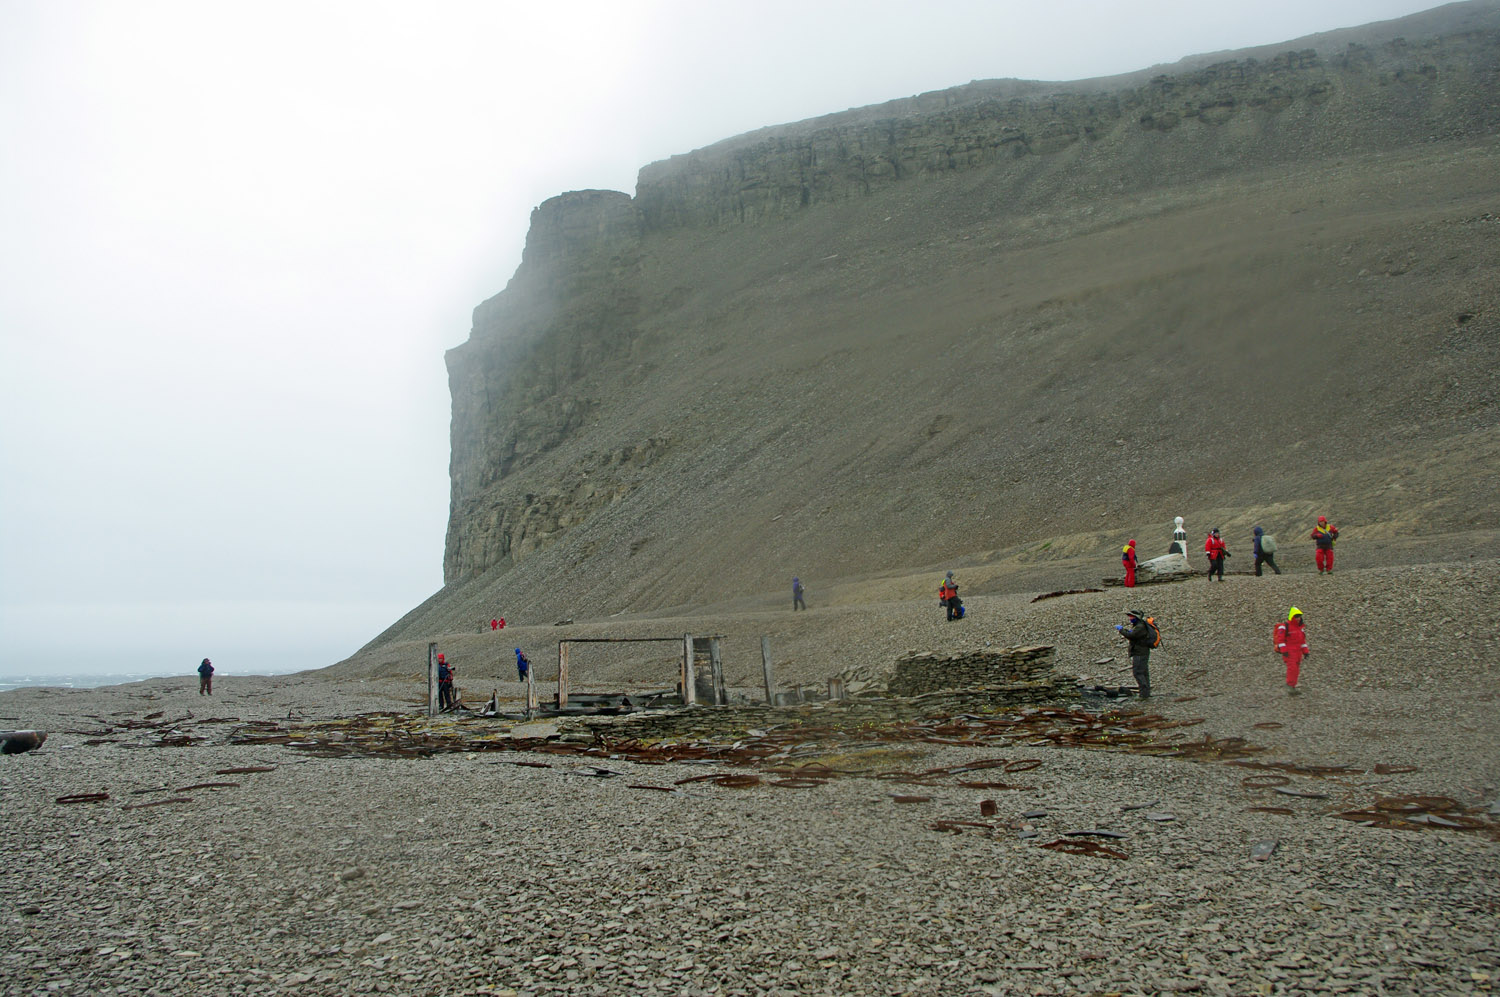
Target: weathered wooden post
column 531, row 700
column 689, row 693
column 432, row 679
column 716, row 666
column 765, row 664
column 562, row 674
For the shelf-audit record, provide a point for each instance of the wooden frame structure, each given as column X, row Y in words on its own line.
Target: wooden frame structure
column 685, row 670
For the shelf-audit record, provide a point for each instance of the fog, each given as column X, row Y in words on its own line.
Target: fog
column 237, row 239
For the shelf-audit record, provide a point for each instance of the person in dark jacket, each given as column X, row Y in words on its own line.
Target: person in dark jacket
column 797, row 601
column 445, row 684
column 206, row 678
column 1140, row 637
column 523, row 666
column 1265, row 551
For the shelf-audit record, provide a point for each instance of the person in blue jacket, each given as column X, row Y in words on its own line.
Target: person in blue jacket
column 523, row 666
column 445, row 684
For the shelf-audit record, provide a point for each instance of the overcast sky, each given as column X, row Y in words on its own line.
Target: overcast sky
column 236, row 238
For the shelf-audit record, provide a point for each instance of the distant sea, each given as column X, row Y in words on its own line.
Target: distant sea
column 93, row 680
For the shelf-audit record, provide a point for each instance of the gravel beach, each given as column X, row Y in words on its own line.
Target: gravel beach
column 526, row 872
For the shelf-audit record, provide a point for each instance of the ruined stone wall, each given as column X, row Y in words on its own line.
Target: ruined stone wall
column 916, row 673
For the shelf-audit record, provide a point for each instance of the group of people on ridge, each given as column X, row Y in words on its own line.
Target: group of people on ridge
column 1323, row 536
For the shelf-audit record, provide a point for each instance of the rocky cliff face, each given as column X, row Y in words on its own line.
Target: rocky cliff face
column 660, row 365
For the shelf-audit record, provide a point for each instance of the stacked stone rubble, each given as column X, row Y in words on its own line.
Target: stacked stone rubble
column 918, row 672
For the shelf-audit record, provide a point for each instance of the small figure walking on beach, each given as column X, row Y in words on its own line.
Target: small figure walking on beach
column 1127, row 558
column 206, row 678
column 445, row 684
column 1265, row 551
column 523, row 666
column 1291, row 644
column 1216, row 550
column 1324, row 536
column 948, row 597
column 797, row 591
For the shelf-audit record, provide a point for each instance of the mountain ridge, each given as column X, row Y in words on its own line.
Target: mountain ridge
column 670, row 409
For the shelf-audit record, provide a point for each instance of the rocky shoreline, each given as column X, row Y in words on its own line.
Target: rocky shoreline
column 217, row 867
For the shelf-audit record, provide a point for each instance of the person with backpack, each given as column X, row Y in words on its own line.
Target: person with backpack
column 445, row 684
column 1143, row 636
column 948, row 597
column 206, row 678
column 523, row 666
column 1216, row 550
column 1265, row 551
column 1127, row 558
column 1291, row 644
column 1324, row 535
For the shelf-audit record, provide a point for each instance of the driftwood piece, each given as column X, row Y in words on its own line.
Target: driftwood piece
column 13, row 742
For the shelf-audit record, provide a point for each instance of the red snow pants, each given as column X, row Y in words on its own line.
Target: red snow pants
column 1324, row 558
column 1293, row 658
column 1130, row 574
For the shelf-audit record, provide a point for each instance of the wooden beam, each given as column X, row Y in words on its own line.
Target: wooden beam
column 765, row 664
column 689, row 694
column 432, row 680
column 562, row 674
column 716, row 665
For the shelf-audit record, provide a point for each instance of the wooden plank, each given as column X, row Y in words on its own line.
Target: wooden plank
column 531, row 701
column 689, row 694
column 562, row 673
column 432, row 680
column 716, row 664
column 765, row 664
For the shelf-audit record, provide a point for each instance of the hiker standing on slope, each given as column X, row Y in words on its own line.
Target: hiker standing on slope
column 1141, row 637
column 523, row 666
column 1127, row 558
column 1216, row 550
column 445, row 684
column 948, row 596
column 797, row 601
column 1265, row 551
column 1324, row 535
column 1291, row 644
column 206, row 678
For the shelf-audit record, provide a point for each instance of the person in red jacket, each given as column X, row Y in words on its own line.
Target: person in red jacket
column 1127, row 558
column 1325, row 536
column 1291, row 644
column 1216, row 550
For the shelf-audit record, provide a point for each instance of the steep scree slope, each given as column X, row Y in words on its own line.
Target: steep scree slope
column 887, row 339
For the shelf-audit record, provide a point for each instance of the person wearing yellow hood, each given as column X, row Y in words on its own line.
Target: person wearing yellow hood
column 1291, row 644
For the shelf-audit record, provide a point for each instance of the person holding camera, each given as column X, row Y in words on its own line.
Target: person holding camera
column 1141, row 636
